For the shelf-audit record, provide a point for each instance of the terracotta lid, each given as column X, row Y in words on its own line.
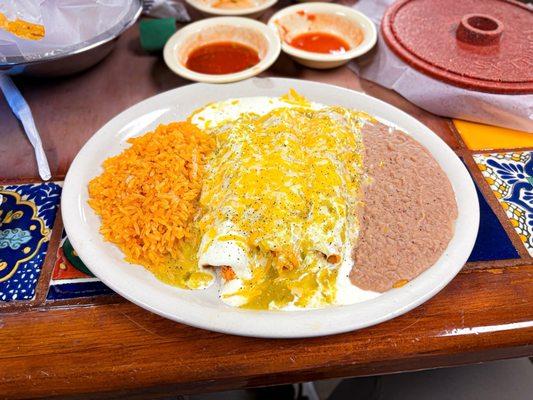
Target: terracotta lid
column 482, row 45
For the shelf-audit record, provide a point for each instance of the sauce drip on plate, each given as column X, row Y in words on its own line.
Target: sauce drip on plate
column 222, row 58
column 320, row 42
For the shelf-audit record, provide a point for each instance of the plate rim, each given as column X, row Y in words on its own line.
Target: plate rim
column 220, row 321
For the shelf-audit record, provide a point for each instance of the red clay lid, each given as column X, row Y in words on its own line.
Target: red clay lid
column 482, row 45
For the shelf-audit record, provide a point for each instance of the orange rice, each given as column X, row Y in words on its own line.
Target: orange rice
column 147, row 195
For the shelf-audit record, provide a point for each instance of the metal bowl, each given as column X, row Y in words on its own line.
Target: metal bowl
column 74, row 58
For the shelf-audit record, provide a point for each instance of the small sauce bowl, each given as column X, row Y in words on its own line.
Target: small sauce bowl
column 244, row 31
column 355, row 28
column 244, row 8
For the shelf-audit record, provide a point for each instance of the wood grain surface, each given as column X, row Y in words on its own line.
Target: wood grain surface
column 109, row 348
column 121, row 349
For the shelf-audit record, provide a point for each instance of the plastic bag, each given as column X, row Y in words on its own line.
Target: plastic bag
column 66, row 23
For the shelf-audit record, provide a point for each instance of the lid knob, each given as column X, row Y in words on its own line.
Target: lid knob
column 479, row 29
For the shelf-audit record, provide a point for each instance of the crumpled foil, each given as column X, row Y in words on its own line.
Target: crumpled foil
column 166, row 9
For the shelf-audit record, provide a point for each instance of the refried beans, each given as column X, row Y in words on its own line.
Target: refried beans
column 409, row 211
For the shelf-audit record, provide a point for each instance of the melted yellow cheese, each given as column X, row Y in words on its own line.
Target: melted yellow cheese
column 287, row 183
column 183, row 270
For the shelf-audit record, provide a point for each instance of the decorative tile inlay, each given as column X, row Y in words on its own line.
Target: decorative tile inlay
column 486, row 137
column 71, row 278
column 27, row 215
column 492, row 242
column 510, row 176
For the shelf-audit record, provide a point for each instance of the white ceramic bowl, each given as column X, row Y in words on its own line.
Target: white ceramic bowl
column 221, row 29
column 335, row 19
column 252, row 12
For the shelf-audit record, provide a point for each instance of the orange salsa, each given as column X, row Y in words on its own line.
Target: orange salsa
column 320, row 42
column 221, row 58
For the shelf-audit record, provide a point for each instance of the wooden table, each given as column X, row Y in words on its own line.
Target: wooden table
column 107, row 347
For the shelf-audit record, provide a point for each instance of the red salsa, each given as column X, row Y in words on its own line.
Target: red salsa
column 222, row 58
column 320, row 42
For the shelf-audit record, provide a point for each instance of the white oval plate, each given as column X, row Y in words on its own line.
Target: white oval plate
column 202, row 308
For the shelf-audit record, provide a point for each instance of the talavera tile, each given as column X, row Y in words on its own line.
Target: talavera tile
column 510, row 176
column 71, row 278
column 492, row 242
column 486, row 137
column 27, row 215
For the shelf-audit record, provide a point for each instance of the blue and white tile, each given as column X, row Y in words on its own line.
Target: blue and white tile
column 510, row 176
column 27, row 216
